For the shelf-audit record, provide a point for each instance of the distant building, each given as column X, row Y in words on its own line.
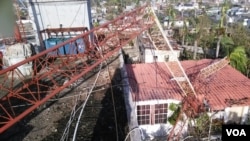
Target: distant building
column 177, row 23
column 186, row 6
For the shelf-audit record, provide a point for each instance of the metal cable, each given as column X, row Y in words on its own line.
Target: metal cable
column 84, row 104
column 72, row 115
column 74, row 110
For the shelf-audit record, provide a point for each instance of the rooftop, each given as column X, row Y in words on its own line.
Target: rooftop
column 224, row 88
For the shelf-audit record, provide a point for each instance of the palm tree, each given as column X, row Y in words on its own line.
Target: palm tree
column 171, row 12
column 201, row 25
column 227, row 44
column 184, row 32
column 221, row 30
column 239, row 60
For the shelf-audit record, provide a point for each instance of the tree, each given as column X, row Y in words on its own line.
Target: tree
column 176, row 111
column 171, row 12
column 227, row 44
column 201, row 25
column 207, row 42
column 201, row 128
column 183, row 32
column 240, row 36
column 239, row 60
column 221, row 29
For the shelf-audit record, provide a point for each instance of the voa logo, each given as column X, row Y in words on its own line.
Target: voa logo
column 236, row 132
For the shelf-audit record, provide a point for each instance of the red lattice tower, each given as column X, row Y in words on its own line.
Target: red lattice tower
column 53, row 72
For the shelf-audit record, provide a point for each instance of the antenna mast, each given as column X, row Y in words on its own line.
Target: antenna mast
column 175, row 67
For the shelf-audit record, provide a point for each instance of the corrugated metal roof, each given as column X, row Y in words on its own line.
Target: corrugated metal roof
column 224, row 88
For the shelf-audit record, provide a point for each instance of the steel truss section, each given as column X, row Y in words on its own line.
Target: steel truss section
column 53, row 72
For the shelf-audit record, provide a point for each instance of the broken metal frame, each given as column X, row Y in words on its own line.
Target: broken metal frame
column 53, row 72
column 62, row 31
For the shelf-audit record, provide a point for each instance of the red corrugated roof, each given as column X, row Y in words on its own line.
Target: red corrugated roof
column 225, row 87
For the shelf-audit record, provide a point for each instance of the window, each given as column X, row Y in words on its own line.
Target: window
column 161, row 113
column 143, row 114
column 152, row 114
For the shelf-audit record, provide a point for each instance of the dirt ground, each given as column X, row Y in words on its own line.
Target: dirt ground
column 48, row 123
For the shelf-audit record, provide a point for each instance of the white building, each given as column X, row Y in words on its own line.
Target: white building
column 186, row 6
column 176, row 24
column 149, row 90
column 157, row 51
column 16, row 53
column 59, row 13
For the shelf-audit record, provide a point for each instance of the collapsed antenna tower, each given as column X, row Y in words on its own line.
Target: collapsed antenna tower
column 51, row 68
column 209, row 70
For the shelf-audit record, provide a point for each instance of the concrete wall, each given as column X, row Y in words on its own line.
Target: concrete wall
column 52, row 13
column 134, row 131
column 175, row 24
column 16, row 53
column 162, row 55
column 235, row 114
column 157, row 130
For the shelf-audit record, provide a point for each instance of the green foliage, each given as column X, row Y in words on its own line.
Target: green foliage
column 186, row 55
column 96, row 24
column 201, row 128
column 173, row 106
column 227, row 44
column 224, row 9
column 172, row 119
column 171, row 12
column 201, row 120
column 238, row 59
column 216, row 126
column 206, row 42
column 201, row 24
column 240, row 36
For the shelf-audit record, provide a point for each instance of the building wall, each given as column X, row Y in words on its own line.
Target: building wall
column 134, row 130
column 156, row 130
column 16, row 53
column 235, row 114
column 162, row 55
column 52, row 13
column 175, row 24
column 140, row 132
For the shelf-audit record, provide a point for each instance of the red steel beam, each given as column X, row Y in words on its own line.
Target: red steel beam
column 63, row 31
column 53, row 72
